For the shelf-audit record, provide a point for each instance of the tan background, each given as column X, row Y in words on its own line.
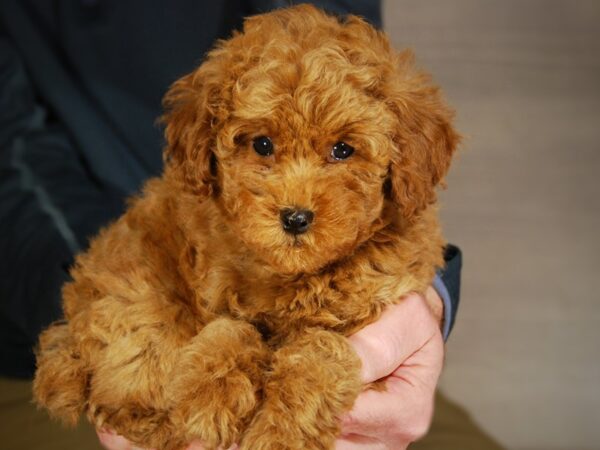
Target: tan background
column 524, row 205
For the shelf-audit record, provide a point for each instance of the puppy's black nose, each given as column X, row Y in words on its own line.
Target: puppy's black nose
column 296, row 221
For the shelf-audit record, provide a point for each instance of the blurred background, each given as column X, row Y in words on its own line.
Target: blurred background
column 523, row 203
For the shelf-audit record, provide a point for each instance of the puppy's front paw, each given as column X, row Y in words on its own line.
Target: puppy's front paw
column 313, row 380
column 216, row 413
column 269, row 433
column 271, row 430
column 218, row 382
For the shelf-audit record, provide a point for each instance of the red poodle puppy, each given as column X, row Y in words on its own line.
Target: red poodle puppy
column 297, row 201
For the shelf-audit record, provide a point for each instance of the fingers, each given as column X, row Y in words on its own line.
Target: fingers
column 402, row 413
column 197, row 445
column 390, row 417
column 113, row 441
column 401, row 330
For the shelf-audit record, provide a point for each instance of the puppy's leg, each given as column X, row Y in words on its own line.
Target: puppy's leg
column 161, row 393
column 60, row 382
column 218, row 382
column 314, row 380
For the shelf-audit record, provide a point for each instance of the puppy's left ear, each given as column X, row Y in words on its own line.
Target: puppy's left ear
column 425, row 138
column 190, row 115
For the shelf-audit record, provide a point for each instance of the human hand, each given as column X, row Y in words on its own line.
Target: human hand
column 113, row 441
column 404, row 348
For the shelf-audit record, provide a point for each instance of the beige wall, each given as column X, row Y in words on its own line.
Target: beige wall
column 524, row 205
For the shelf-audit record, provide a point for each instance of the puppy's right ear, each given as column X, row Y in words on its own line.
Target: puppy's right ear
column 190, row 105
column 425, row 137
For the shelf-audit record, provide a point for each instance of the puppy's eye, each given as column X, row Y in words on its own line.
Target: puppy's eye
column 263, row 146
column 341, row 150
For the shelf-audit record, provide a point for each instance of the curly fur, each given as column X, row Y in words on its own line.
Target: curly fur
column 195, row 315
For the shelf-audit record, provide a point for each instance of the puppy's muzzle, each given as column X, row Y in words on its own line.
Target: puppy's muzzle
column 296, row 221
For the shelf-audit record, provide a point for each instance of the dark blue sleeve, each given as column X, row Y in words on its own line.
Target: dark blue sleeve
column 447, row 285
column 49, row 206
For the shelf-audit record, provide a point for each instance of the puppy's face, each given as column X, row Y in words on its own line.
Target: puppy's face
column 303, row 128
column 301, row 167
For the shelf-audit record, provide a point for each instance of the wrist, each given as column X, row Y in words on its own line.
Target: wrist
column 435, row 305
column 443, row 297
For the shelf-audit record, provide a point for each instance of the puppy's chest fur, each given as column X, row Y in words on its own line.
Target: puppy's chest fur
column 344, row 296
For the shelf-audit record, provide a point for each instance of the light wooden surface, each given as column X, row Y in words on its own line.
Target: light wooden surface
column 524, row 205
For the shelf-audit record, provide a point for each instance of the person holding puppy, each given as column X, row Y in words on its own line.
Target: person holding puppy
column 77, row 140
